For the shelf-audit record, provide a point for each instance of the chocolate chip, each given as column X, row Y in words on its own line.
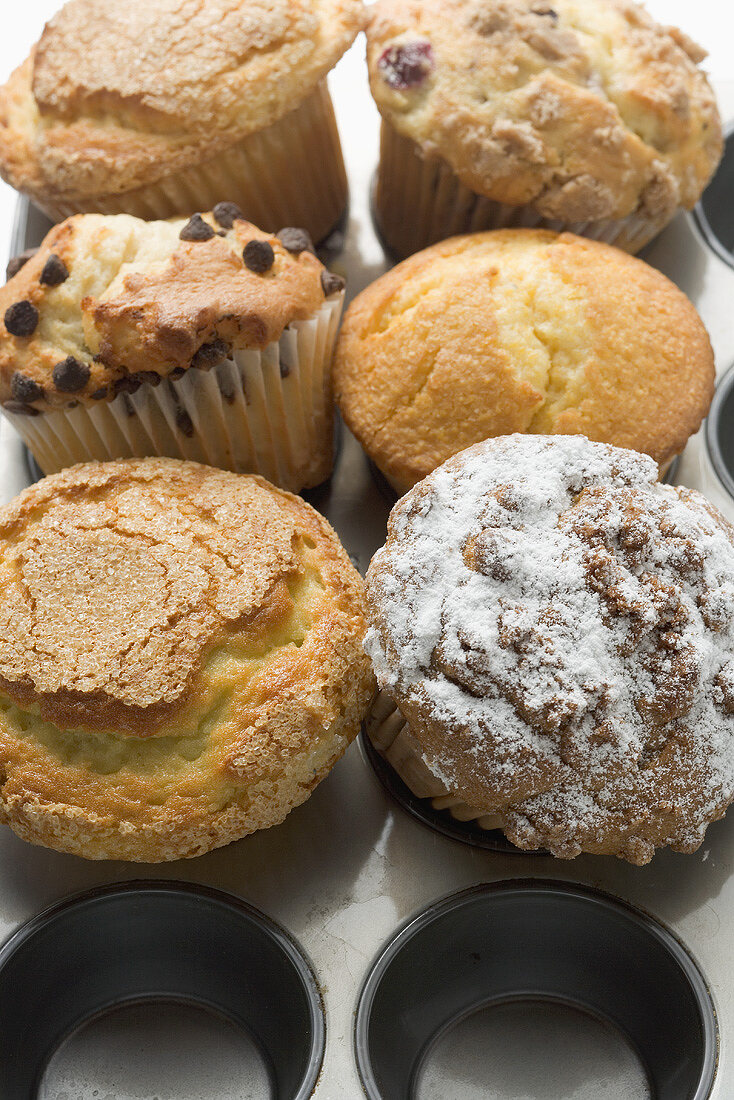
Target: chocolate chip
column 227, row 213
column 258, row 256
column 21, row 319
column 184, row 424
column 209, row 354
column 196, row 229
column 24, row 389
column 129, row 407
column 16, row 262
column 295, row 240
column 70, row 376
column 20, row 409
column 331, row 283
column 546, row 11
column 55, row 271
column 99, row 394
column 176, row 373
column 131, row 383
column 285, row 370
column 406, row 66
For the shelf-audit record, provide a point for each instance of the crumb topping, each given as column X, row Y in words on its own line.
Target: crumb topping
column 558, row 628
column 587, row 110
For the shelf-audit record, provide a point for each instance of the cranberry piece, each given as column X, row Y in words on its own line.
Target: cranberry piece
column 406, row 66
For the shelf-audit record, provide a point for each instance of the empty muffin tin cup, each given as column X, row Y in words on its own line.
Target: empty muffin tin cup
column 157, row 943
column 720, row 431
column 713, row 212
column 534, row 941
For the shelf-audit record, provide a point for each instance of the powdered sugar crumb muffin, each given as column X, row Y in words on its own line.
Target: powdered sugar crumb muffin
column 557, row 629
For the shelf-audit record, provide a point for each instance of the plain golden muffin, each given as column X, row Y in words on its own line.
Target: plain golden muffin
column 117, row 98
column 181, row 658
column 520, row 331
column 584, row 112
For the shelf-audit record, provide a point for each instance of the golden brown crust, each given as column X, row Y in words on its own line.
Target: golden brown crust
column 520, row 330
column 181, row 657
column 79, row 120
column 587, row 109
column 141, row 302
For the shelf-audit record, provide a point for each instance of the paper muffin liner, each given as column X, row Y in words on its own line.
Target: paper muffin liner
column 419, row 201
column 267, row 412
column 391, row 736
column 290, row 173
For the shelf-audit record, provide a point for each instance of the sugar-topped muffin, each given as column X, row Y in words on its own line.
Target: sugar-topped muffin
column 181, row 658
column 155, row 109
column 520, row 330
column 553, row 631
column 200, row 338
column 582, row 114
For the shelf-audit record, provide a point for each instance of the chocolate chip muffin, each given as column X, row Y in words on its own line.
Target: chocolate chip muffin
column 520, row 330
column 553, row 630
column 181, row 659
column 203, row 339
column 166, row 108
column 583, row 115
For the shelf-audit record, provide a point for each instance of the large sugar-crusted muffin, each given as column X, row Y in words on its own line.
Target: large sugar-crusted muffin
column 181, row 658
column 204, row 339
column 520, row 330
column 556, row 628
column 164, row 108
column 495, row 112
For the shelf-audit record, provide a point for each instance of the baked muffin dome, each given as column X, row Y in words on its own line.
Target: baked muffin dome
column 587, row 109
column 114, row 98
column 181, row 659
column 520, row 331
column 557, row 628
column 201, row 338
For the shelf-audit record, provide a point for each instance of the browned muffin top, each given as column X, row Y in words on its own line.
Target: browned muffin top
column 119, row 578
column 115, row 96
column 110, row 302
column 587, row 109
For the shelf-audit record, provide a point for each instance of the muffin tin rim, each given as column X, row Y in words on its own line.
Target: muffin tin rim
column 724, row 387
column 390, row 948
column 697, row 216
column 281, row 936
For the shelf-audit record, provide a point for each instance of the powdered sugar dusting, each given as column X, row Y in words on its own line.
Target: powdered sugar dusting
column 558, row 628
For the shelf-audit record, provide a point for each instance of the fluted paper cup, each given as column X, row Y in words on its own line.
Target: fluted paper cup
column 268, row 412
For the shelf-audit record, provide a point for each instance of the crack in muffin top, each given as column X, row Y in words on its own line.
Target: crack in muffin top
column 587, row 109
column 118, row 578
column 558, row 629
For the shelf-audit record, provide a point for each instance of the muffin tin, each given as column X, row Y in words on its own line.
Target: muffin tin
column 593, row 974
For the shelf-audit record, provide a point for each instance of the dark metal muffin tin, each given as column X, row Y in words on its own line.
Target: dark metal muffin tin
column 535, row 941
column 346, row 871
column 713, row 213
column 157, row 942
